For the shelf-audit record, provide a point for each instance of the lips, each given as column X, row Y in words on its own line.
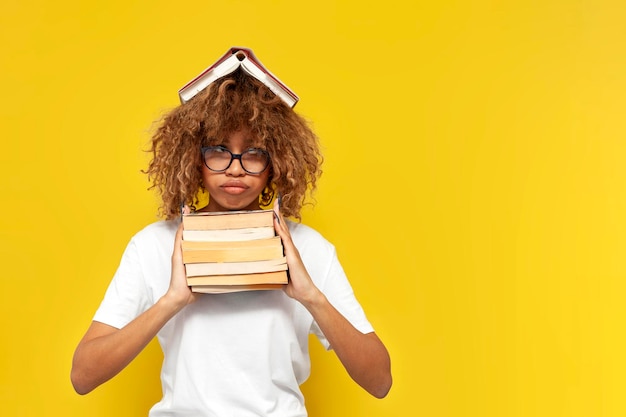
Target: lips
column 234, row 187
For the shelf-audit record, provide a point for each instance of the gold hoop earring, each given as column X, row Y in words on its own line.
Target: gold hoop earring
column 267, row 195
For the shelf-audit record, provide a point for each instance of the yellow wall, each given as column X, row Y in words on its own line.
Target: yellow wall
column 475, row 187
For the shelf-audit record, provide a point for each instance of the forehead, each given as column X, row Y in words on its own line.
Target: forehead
column 243, row 137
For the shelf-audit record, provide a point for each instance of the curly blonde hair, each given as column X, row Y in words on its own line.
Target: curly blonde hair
column 232, row 103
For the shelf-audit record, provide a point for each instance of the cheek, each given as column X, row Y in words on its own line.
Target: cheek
column 208, row 178
column 258, row 184
column 264, row 178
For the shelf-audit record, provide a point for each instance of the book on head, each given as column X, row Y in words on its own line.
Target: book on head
column 235, row 58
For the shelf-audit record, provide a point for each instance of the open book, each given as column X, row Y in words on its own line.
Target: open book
column 243, row 58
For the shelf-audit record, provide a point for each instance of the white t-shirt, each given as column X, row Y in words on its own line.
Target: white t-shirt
column 238, row 354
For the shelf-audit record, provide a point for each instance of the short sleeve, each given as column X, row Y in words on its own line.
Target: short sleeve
column 127, row 295
column 340, row 294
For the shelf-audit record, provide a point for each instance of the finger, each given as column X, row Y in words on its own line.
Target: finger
column 276, row 209
column 280, row 220
column 178, row 239
column 179, row 233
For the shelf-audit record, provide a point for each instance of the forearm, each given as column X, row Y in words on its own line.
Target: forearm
column 364, row 356
column 105, row 351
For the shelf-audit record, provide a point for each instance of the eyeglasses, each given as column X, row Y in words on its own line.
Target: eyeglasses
column 218, row 159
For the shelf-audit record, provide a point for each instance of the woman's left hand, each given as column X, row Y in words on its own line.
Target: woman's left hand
column 363, row 355
column 300, row 286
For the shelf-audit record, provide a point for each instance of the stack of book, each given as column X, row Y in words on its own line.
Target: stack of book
column 233, row 251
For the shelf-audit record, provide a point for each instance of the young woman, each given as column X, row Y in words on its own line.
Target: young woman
column 244, row 353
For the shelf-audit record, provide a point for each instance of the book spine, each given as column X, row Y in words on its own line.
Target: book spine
column 243, row 244
column 224, row 268
column 223, row 289
column 277, row 277
column 229, row 235
column 238, row 255
column 252, row 219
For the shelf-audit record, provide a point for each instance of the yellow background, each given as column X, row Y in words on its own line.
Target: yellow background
column 474, row 187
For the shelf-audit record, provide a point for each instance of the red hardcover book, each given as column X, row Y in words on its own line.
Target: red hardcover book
column 245, row 59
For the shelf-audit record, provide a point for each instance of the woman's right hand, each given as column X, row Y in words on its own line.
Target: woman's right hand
column 105, row 350
column 179, row 292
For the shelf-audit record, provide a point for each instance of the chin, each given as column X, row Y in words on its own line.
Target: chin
column 234, row 206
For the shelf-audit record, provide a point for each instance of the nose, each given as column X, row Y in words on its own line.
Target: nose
column 235, row 168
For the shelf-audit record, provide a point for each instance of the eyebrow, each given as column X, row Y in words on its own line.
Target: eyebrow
column 248, row 142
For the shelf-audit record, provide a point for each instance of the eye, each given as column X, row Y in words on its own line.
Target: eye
column 254, row 151
column 220, row 152
column 255, row 154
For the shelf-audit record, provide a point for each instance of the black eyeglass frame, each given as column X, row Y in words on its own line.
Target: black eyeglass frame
column 234, row 156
